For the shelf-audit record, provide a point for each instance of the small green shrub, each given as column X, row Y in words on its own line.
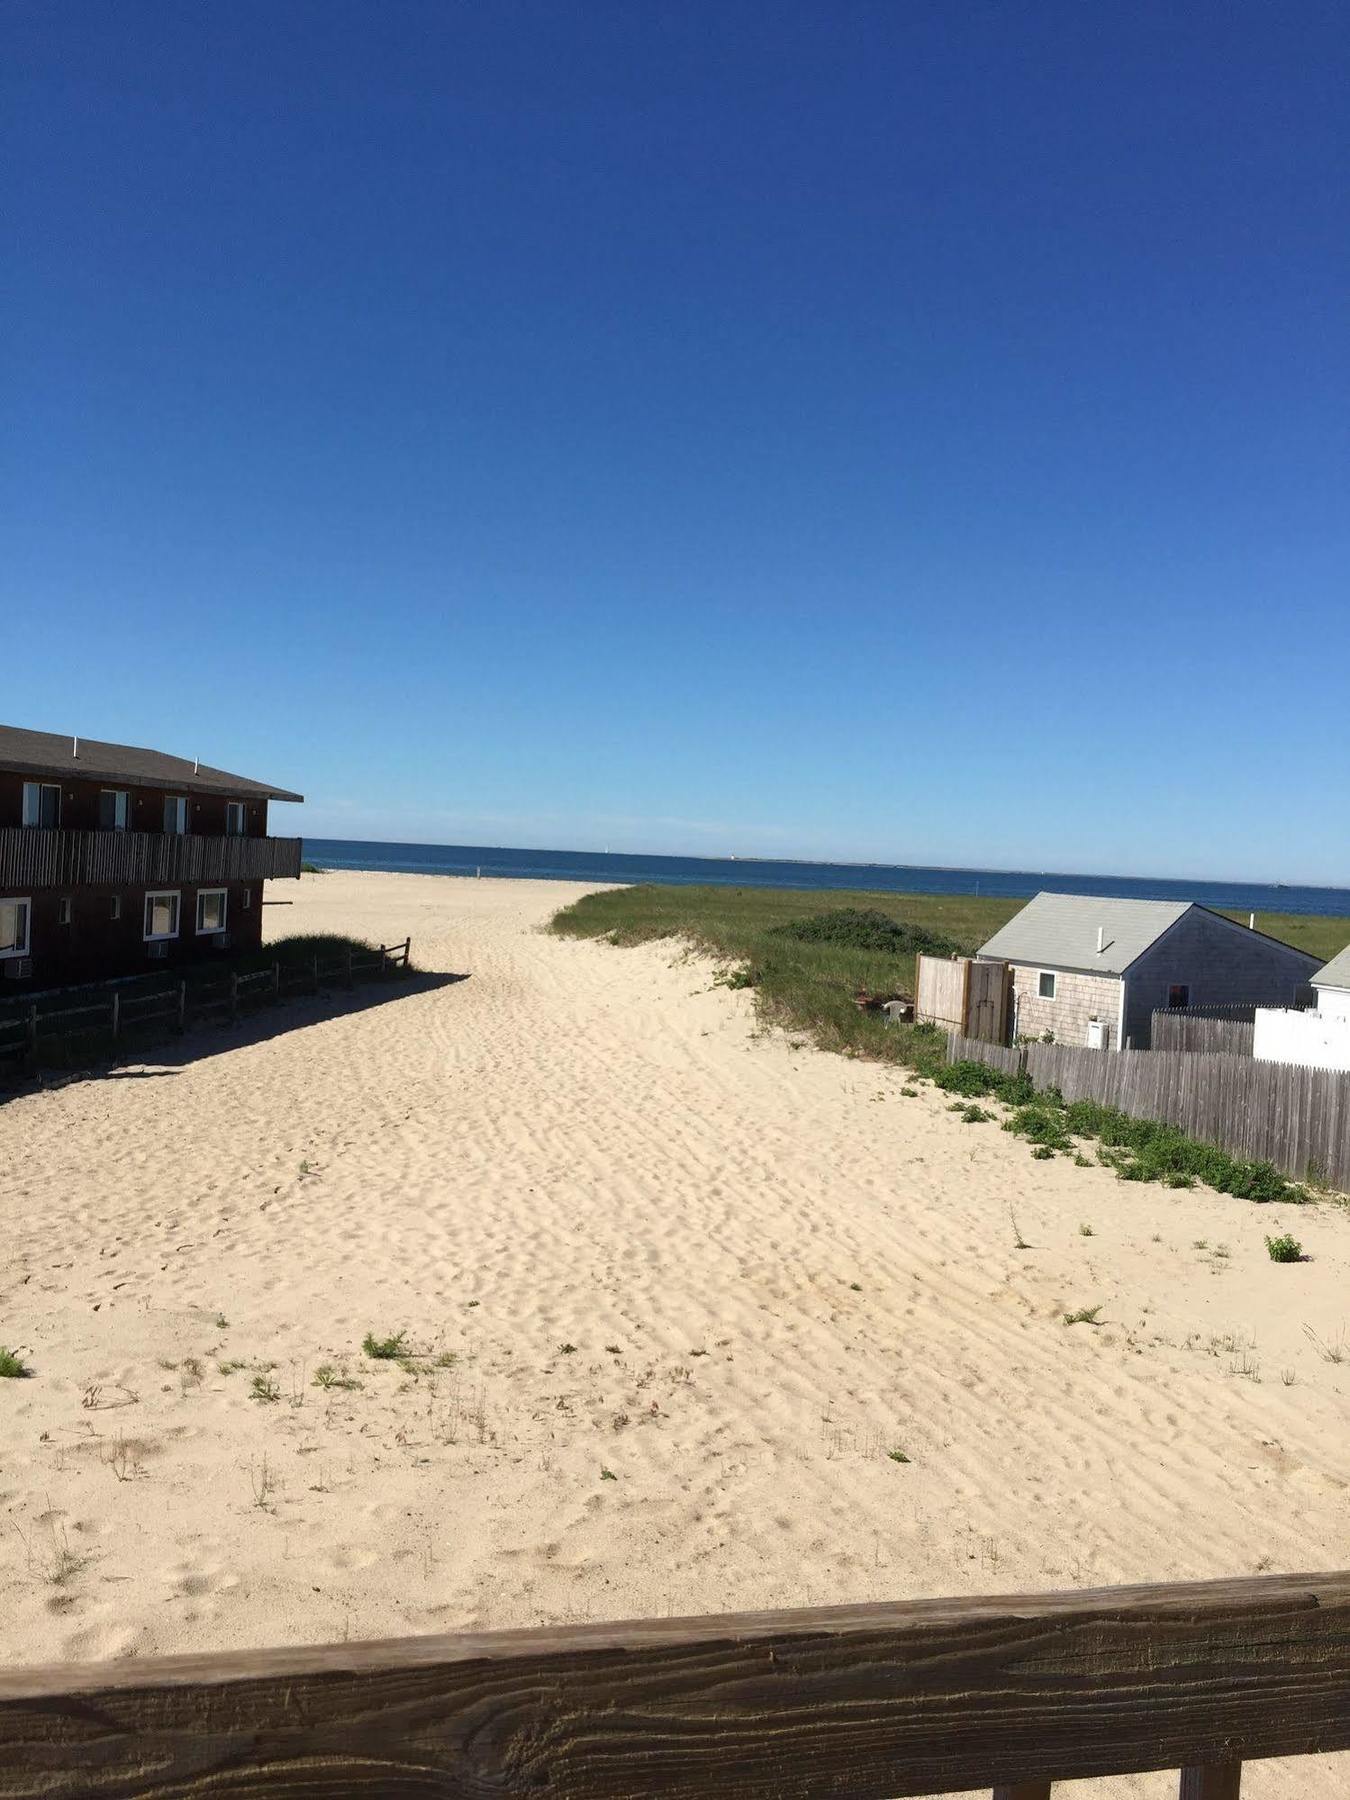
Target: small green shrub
column 327, row 1376
column 863, row 928
column 735, row 978
column 390, row 1349
column 897, row 1456
column 1284, row 1249
column 12, row 1365
column 264, row 1389
column 1086, row 1315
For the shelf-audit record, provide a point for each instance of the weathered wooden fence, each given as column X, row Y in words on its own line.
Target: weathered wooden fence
column 50, row 1027
column 851, row 1702
column 962, row 994
column 1296, row 1118
column 1193, row 1031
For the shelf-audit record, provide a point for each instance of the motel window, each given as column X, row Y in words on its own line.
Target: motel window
column 211, row 909
column 41, row 804
column 1045, row 986
column 234, row 818
column 161, row 915
column 1178, row 997
column 14, row 927
column 113, row 806
column 175, row 814
column 63, row 910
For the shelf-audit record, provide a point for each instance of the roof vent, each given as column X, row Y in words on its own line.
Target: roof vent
column 196, row 765
column 75, row 747
column 1101, row 939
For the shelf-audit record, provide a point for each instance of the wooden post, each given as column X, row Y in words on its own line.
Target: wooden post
column 116, row 1013
column 351, row 979
column 1211, row 1781
column 407, row 953
column 234, row 994
column 182, row 1006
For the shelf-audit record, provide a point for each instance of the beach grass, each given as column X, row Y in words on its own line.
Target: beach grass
column 810, row 986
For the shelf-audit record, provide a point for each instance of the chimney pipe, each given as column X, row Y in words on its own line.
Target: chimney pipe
column 75, row 747
column 196, row 764
column 1101, row 939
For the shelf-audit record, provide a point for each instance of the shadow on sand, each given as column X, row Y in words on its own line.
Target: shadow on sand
column 158, row 1058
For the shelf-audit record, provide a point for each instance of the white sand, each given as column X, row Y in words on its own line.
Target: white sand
column 773, row 1267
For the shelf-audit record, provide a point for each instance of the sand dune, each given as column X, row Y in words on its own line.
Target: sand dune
column 643, row 1240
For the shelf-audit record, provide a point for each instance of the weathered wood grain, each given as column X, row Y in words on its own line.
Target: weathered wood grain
column 1219, row 1781
column 851, row 1702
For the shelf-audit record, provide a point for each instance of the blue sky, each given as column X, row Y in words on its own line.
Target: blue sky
column 900, row 431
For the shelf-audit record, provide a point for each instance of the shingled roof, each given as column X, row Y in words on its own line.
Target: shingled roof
column 1336, row 973
column 48, row 753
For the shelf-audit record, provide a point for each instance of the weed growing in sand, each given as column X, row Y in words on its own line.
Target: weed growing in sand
column 1043, row 1153
column 1086, row 1315
column 120, row 1457
column 263, row 1388
column 12, row 1365
column 231, row 1368
column 1335, row 1350
column 855, row 1287
column 614, row 1350
column 971, row 1112
column 897, row 1456
column 262, row 1479
column 567, row 1349
column 390, row 1349
column 222, row 1323
column 1284, row 1249
column 910, row 1093
column 1080, row 1161
column 1288, row 1377
column 1086, row 1230
column 608, row 1475
column 1019, row 1242
column 328, row 1376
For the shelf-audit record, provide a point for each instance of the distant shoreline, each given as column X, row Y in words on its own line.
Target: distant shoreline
column 627, row 868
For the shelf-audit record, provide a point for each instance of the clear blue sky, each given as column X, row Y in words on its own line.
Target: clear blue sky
column 914, row 431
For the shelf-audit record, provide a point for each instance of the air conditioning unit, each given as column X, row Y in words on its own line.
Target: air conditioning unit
column 221, row 940
column 157, row 952
column 18, row 968
column 1096, row 1035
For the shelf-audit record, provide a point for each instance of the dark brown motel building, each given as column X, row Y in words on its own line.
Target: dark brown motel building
column 116, row 861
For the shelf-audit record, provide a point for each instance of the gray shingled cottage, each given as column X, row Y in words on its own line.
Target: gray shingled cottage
column 1091, row 970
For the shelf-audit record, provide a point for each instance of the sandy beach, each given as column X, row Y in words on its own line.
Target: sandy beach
column 674, row 1287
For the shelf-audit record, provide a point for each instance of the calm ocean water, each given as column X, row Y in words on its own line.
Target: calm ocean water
column 700, row 871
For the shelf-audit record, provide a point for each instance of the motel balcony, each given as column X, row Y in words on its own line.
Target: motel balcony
column 34, row 858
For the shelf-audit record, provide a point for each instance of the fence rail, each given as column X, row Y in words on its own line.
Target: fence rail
column 30, row 1030
column 1193, row 1031
column 32, row 858
column 922, row 1697
column 1297, row 1118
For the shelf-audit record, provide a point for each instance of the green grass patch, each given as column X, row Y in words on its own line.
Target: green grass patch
column 12, row 1366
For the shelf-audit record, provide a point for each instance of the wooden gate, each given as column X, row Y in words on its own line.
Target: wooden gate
column 963, row 995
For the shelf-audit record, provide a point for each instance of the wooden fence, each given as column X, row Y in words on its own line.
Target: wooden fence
column 36, row 1031
column 1296, row 1118
column 850, row 1702
column 32, row 858
column 963, row 994
column 1192, row 1031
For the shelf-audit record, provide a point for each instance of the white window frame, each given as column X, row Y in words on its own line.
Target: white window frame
column 209, row 894
column 26, row 903
column 180, row 801
column 119, row 794
column 40, row 788
column 1054, row 984
column 235, row 808
column 162, row 937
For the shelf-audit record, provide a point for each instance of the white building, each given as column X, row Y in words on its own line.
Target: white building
column 1319, row 1038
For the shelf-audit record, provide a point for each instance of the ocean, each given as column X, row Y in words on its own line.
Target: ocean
column 894, row 878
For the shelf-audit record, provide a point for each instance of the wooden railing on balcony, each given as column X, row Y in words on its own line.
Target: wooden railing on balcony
column 855, row 1703
column 34, row 858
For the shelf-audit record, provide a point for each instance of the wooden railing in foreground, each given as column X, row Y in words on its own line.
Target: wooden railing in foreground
column 862, row 1702
column 141, row 1003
